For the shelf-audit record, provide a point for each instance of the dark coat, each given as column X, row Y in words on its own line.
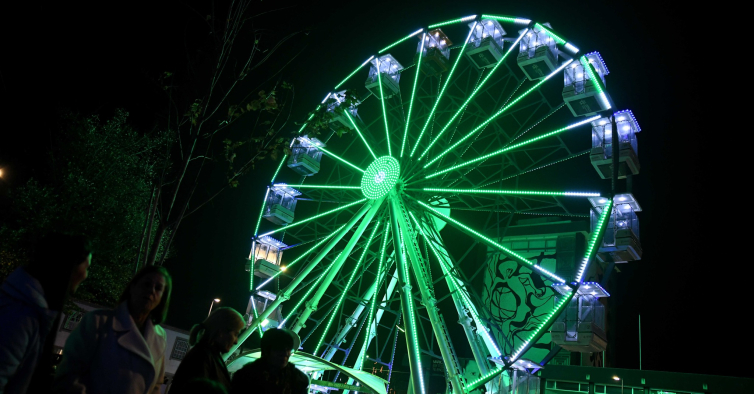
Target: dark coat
column 259, row 378
column 202, row 361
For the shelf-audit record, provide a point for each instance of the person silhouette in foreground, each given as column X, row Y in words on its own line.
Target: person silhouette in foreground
column 209, row 340
column 272, row 373
column 31, row 301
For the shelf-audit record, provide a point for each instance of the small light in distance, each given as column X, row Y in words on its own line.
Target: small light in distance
column 399, row 327
column 217, row 300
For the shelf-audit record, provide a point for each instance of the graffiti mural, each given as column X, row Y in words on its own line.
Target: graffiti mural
column 519, row 300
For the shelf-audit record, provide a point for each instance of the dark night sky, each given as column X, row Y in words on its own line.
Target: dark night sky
column 98, row 57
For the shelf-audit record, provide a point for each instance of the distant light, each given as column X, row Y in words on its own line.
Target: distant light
column 282, row 268
column 217, row 300
column 616, row 378
column 626, row 128
column 265, row 322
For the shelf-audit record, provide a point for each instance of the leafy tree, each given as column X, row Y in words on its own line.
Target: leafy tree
column 99, row 180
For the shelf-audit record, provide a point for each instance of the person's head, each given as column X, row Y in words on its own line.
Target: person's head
column 220, row 329
column 276, row 346
column 149, row 291
column 60, row 263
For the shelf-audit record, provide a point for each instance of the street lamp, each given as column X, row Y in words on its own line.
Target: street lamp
column 210, row 305
column 621, row 383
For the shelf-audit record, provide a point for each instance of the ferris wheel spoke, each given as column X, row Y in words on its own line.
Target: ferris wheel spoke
column 413, row 94
column 358, row 131
column 350, row 75
column 439, row 96
column 342, row 160
column 366, row 209
column 512, row 147
column 384, row 112
column 303, row 186
column 513, row 255
column 498, row 113
column 511, row 192
column 370, row 314
column 348, row 286
column 471, row 96
column 314, row 217
column 294, row 262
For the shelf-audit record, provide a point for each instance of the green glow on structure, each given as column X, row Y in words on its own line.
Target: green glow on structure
column 303, row 126
column 315, row 217
column 500, row 18
column 348, row 286
column 359, row 132
column 411, row 313
column 279, row 167
column 380, row 177
column 334, row 156
column 261, row 212
column 384, row 113
column 473, row 93
column 520, row 259
column 306, row 296
column 512, row 147
column 378, row 279
column 461, row 288
column 588, row 67
column 557, row 38
column 413, row 93
column 354, row 72
column 399, row 41
column 450, row 22
column 299, row 258
column 320, row 186
column 597, row 235
column 512, row 192
column 498, row 113
column 442, row 91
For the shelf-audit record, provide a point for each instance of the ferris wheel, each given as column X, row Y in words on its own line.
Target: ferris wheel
column 453, row 132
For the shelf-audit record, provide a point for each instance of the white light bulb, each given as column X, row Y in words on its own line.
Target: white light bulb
column 603, row 123
column 626, row 128
column 621, row 119
column 579, row 76
column 497, row 31
column 489, row 23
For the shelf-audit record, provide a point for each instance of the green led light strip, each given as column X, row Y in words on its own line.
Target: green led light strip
column 261, row 212
column 500, row 18
column 473, row 93
column 348, row 286
column 586, row 152
column 299, row 258
column 359, row 132
column 498, row 113
column 380, row 177
column 510, row 148
column 512, row 192
column 588, row 67
column 442, row 91
column 334, row 156
column 351, row 74
column 552, row 34
column 315, row 217
column 520, row 259
column 399, row 41
column 306, row 296
column 384, row 113
column 597, row 235
column 378, row 279
column 450, row 22
column 319, row 186
column 307, row 121
column 489, row 376
column 279, row 167
column 413, row 93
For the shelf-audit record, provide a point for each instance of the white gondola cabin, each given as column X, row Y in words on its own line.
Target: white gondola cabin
column 581, row 326
column 537, row 54
column 342, row 115
column 602, row 145
column 266, row 253
column 485, row 47
column 621, row 241
column 280, row 204
column 584, row 91
column 305, row 155
column 435, row 52
column 389, row 75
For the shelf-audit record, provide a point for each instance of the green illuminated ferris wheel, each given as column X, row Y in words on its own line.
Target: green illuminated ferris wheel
column 458, row 128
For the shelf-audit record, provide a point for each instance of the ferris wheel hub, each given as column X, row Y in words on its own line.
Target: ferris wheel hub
column 380, row 177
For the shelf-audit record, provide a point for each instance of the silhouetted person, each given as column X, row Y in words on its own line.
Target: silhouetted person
column 31, row 300
column 272, row 373
column 209, row 340
column 120, row 350
column 204, row 386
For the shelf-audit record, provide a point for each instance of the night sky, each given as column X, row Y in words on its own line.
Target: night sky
column 98, row 57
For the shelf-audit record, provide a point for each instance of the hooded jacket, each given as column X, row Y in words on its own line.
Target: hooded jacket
column 107, row 353
column 25, row 322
